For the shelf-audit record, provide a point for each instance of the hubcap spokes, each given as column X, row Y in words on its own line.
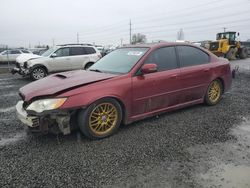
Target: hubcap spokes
column 38, row 73
column 103, row 118
column 214, row 91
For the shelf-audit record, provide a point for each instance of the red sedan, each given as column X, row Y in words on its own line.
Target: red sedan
column 127, row 85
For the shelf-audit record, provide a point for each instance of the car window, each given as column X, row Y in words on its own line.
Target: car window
column 15, row 52
column 25, row 51
column 77, row 51
column 89, row 50
column 62, row 52
column 165, row 58
column 190, row 56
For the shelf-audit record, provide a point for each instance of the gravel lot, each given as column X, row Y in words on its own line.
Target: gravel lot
column 199, row 146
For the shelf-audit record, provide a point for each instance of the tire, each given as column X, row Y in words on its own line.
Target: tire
column 214, row 92
column 243, row 53
column 38, row 73
column 101, row 119
column 88, row 65
column 230, row 54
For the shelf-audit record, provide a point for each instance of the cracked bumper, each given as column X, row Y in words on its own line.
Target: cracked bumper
column 30, row 121
column 20, row 71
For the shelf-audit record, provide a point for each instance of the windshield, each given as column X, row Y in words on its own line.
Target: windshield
column 119, row 61
column 230, row 36
column 48, row 52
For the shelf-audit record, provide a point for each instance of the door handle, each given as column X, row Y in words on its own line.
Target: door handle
column 174, row 76
column 206, row 70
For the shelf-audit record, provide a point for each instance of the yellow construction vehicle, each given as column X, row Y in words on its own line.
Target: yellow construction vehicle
column 226, row 45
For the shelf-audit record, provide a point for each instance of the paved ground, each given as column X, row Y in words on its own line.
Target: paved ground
column 198, row 147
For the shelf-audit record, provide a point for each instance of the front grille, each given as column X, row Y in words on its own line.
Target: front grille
column 214, row 46
column 35, row 122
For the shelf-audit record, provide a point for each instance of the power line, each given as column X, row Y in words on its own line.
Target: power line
column 163, row 18
column 115, row 26
column 199, row 26
column 217, row 17
column 181, row 10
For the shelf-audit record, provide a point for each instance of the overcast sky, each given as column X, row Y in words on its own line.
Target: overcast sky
column 30, row 22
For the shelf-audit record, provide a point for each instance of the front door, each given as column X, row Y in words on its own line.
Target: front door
column 158, row 90
column 61, row 62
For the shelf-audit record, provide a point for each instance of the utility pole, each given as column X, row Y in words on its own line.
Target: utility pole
column 224, row 28
column 77, row 38
column 130, row 32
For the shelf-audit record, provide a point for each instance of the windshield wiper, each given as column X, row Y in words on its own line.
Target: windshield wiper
column 96, row 70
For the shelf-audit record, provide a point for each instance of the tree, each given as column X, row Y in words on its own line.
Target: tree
column 139, row 38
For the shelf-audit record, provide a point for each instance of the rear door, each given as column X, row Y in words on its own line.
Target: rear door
column 78, row 57
column 160, row 89
column 195, row 72
column 94, row 54
column 61, row 62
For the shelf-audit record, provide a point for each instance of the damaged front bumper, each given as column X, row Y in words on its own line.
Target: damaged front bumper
column 54, row 122
column 21, row 71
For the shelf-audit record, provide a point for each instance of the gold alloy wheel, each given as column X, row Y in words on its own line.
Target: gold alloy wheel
column 103, row 118
column 214, row 91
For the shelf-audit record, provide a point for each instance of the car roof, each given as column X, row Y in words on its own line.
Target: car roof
column 158, row 45
column 75, row 45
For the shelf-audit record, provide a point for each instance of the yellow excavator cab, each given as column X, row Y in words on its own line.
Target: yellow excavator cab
column 227, row 45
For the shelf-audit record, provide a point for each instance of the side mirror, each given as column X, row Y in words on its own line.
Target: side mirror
column 53, row 55
column 149, row 68
column 238, row 34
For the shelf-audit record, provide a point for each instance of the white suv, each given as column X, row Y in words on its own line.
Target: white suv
column 57, row 59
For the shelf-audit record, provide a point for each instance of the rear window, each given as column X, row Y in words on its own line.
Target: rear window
column 76, row 51
column 190, row 56
column 89, row 50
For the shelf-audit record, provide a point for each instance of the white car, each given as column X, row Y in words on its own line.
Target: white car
column 11, row 55
column 57, row 59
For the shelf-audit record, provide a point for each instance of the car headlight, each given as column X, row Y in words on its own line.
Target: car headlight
column 46, row 104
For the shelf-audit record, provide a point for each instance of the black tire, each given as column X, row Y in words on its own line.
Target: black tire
column 230, row 54
column 243, row 53
column 208, row 99
column 84, row 118
column 38, row 73
column 88, row 65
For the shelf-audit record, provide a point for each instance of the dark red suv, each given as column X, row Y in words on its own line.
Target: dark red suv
column 129, row 84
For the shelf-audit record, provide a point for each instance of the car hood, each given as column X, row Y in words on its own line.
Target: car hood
column 60, row 82
column 25, row 57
